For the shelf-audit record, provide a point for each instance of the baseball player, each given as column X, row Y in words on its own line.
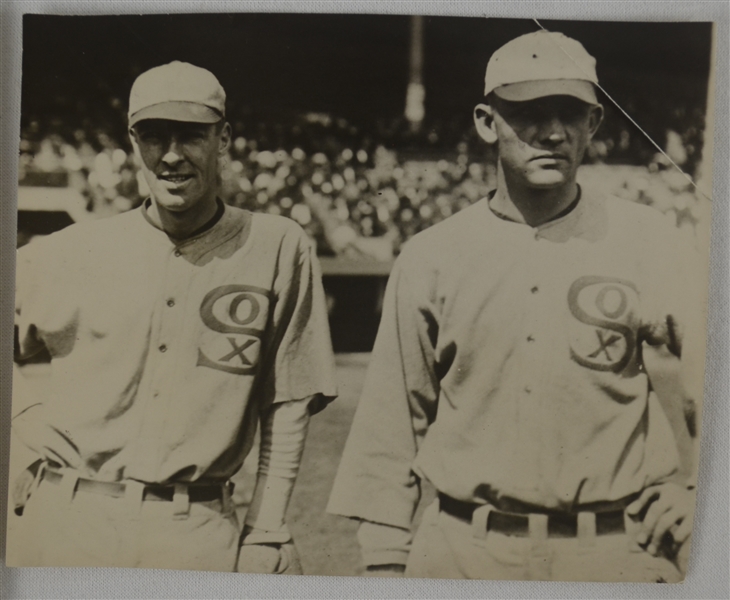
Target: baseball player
column 508, row 367
column 173, row 330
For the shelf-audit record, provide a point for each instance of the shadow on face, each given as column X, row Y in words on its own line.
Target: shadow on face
column 540, row 141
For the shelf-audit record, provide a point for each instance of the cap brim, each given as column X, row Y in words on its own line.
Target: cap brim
column 188, row 112
column 530, row 90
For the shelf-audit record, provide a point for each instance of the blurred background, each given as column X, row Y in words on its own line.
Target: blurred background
column 360, row 129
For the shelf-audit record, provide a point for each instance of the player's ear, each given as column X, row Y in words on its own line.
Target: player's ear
column 133, row 139
column 484, row 122
column 224, row 142
column 595, row 118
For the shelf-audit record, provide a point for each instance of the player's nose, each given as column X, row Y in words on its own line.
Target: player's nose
column 553, row 131
column 173, row 154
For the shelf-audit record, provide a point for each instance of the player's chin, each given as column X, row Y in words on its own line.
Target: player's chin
column 174, row 204
column 546, row 178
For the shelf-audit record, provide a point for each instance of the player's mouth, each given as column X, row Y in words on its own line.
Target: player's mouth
column 552, row 157
column 174, row 180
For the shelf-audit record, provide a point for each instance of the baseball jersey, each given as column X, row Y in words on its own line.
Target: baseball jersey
column 165, row 352
column 508, row 364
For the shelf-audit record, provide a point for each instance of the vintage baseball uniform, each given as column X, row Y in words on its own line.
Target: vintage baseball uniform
column 507, row 368
column 165, row 353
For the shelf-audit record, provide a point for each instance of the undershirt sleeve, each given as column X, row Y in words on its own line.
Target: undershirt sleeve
column 283, row 432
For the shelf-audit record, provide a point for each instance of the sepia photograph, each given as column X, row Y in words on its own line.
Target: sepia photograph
column 361, row 295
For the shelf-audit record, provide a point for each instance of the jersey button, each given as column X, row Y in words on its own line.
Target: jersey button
column 530, row 338
column 178, row 253
column 528, row 389
column 162, row 348
column 170, row 303
column 535, row 289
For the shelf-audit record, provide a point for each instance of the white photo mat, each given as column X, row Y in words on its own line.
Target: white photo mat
column 708, row 573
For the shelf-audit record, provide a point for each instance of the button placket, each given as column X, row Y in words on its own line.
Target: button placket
column 146, row 448
column 169, row 320
column 176, row 280
column 531, row 322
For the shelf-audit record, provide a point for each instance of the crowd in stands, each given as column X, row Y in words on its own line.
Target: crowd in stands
column 358, row 193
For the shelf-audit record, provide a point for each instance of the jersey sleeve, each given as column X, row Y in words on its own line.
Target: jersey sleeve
column 27, row 343
column 375, row 480
column 300, row 361
column 283, row 432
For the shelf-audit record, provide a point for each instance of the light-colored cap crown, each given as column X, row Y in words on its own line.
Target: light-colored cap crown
column 543, row 63
column 177, row 91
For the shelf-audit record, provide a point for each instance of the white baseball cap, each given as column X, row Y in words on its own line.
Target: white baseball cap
column 177, row 91
column 543, row 63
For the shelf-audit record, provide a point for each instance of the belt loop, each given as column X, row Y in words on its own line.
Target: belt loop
column 480, row 521
column 227, row 491
column 133, row 496
column 539, row 562
column 538, row 528
column 180, row 502
column 586, row 529
column 69, row 481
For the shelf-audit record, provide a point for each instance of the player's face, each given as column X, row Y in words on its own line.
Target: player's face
column 180, row 160
column 542, row 141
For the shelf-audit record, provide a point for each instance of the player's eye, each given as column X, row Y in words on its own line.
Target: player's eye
column 192, row 136
column 572, row 114
column 151, row 137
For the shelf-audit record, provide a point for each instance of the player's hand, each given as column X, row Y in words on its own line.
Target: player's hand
column 280, row 559
column 668, row 508
column 23, row 486
column 394, row 570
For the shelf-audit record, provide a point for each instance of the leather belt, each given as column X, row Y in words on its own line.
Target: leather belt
column 559, row 524
column 163, row 493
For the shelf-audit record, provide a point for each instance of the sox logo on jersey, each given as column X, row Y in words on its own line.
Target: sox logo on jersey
column 239, row 312
column 606, row 305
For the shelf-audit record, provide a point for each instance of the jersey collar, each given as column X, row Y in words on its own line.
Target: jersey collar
column 563, row 213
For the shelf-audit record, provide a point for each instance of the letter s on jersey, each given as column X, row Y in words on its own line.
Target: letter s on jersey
column 605, row 305
column 240, row 313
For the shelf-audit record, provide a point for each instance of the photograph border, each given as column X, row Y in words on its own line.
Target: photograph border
column 707, row 576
